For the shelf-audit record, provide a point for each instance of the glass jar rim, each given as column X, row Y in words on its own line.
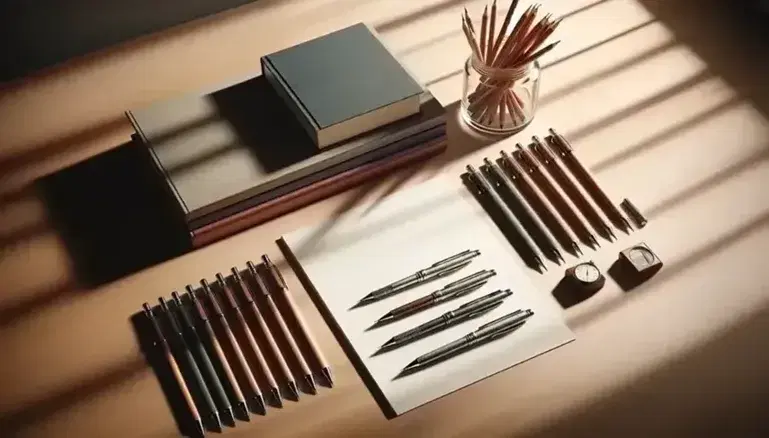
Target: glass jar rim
column 502, row 73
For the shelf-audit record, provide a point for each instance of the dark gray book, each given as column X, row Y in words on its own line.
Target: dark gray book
column 240, row 146
column 342, row 84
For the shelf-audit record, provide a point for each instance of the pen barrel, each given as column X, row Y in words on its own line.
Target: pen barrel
column 217, row 351
column 542, row 211
column 186, row 394
column 414, row 305
column 424, row 328
column 445, row 349
column 593, row 189
column 261, row 362
column 500, row 205
column 287, row 335
column 185, row 358
column 515, row 201
column 200, row 355
column 302, row 323
column 212, row 298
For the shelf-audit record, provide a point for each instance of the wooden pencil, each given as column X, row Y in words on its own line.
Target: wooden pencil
column 484, row 24
column 490, row 40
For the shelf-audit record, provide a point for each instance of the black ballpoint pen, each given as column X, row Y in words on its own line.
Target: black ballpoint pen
column 205, row 365
column 435, row 271
column 486, row 189
column 202, row 396
column 563, row 149
column 546, row 157
column 465, row 312
column 211, row 343
column 485, row 333
column 536, row 229
column 162, row 343
column 451, row 291
column 519, row 178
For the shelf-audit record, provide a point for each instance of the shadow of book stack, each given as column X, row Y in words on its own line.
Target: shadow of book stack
column 327, row 115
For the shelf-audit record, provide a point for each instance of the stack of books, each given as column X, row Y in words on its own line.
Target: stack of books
column 324, row 116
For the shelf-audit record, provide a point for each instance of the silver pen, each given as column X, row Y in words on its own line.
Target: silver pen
column 435, row 271
column 453, row 290
column 470, row 310
column 485, row 333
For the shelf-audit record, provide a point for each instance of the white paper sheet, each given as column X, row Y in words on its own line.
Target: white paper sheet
column 375, row 244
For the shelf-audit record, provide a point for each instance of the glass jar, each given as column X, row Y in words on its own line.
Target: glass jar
column 499, row 100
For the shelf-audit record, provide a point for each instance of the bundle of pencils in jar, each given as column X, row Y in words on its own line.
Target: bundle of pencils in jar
column 502, row 74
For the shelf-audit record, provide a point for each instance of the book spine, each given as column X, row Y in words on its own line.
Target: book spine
column 282, row 190
column 307, row 195
column 282, row 89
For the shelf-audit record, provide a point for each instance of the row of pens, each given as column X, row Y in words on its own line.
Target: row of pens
column 193, row 330
column 528, row 203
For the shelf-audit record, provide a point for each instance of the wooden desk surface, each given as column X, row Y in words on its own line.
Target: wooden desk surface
column 664, row 109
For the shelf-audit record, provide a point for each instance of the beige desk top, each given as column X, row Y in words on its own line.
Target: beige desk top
column 666, row 111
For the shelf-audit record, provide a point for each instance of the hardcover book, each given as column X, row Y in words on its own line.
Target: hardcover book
column 342, row 84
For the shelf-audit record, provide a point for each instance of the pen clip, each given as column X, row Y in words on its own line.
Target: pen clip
column 498, row 292
column 524, row 158
column 502, row 318
column 507, row 330
column 541, row 150
column 227, row 291
column 196, row 302
column 274, row 272
column 510, row 165
column 470, row 279
column 449, row 259
column 243, row 285
column 560, row 142
column 214, row 301
column 486, row 308
column 452, row 269
column 258, row 278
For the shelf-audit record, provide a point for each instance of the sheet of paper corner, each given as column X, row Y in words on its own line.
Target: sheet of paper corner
column 373, row 245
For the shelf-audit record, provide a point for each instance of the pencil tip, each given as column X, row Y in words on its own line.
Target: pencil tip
column 201, row 428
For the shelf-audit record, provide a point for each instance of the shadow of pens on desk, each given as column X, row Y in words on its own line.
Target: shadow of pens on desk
column 516, row 240
column 336, row 330
column 162, row 370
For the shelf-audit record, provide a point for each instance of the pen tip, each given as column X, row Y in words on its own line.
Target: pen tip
column 385, row 319
column 201, row 428
column 229, row 417
column 326, row 371
column 311, row 383
column 243, row 411
column 276, row 396
column 293, row 389
column 217, row 421
column 259, row 404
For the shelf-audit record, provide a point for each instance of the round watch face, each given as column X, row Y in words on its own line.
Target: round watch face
column 587, row 273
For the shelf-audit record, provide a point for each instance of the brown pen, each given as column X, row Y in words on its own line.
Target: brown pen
column 215, row 350
column 531, row 167
column 248, row 294
column 235, row 308
column 257, row 397
column 162, row 344
column 283, row 327
column 311, row 342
